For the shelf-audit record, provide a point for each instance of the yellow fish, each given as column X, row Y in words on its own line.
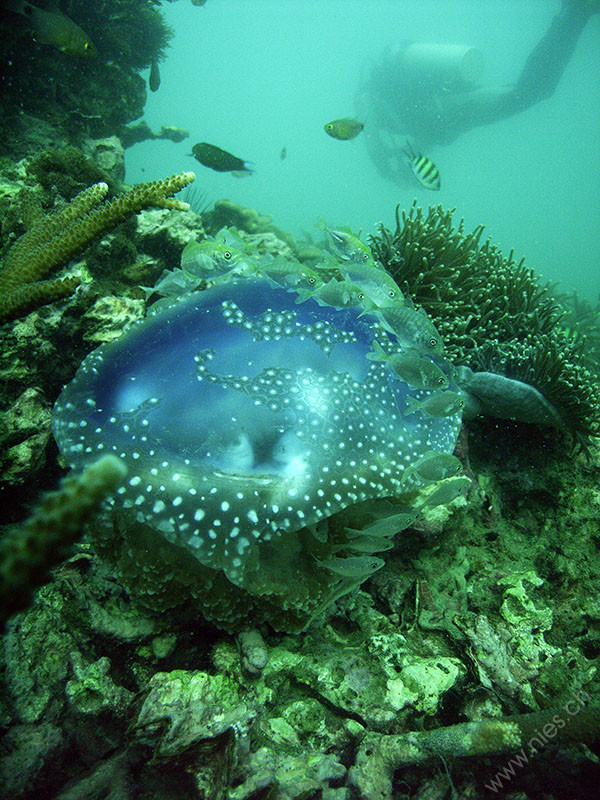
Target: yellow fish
column 344, row 129
column 53, row 27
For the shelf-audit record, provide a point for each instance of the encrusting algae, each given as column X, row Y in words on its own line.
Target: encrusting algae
column 53, row 239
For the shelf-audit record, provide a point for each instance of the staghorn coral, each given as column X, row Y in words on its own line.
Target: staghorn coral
column 492, row 312
column 28, row 553
column 53, row 239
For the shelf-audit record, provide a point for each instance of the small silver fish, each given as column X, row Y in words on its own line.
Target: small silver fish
column 208, row 258
column 348, row 246
column 369, row 544
column 439, row 404
column 411, row 367
column 447, row 491
column 377, row 284
column 412, row 328
column 388, row 526
column 290, row 274
column 353, row 566
column 338, row 294
column 432, row 467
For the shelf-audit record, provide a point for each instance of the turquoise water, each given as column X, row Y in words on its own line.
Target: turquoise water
column 255, row 76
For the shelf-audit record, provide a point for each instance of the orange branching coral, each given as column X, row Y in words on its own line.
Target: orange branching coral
column 53, row 239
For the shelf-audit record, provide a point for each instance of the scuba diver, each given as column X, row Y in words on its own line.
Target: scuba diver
column 429, row 92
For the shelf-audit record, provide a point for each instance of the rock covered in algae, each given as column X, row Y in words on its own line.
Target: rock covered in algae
column 250, row 422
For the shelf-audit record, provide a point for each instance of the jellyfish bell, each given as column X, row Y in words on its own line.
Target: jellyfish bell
column 246, row 420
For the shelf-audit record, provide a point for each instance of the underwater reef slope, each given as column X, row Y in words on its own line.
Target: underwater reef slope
column 496, row 319
column 478, row 638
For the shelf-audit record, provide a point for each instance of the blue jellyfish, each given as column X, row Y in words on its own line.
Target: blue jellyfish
column 247, row 417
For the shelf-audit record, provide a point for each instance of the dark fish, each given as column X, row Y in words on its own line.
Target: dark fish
column 283, row 153
column 344, row 129
column 209, row 155
column 53, row 27
column 424, row 170
column 154, row 79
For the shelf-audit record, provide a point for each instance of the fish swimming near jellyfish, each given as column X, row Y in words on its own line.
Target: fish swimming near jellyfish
column 338, row 294
column 431, row 467
column 51, row 26
column 213, row 157
column 423, row 168
column 437, row 405
column 343, row 129
column 353, row 566
column 248, row 422
column 376, row 283
column 412, row 328
column 412, row 367
column 209, row 258
column 347, row 245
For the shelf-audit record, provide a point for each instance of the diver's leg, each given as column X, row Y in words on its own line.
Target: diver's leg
column 548, row 59
column 538, row 79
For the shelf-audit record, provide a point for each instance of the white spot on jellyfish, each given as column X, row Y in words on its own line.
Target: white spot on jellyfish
column 242, row 545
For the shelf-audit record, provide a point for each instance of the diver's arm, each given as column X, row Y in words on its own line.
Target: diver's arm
column 537, row 81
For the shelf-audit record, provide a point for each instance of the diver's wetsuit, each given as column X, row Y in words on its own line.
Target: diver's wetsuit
column 543, row 68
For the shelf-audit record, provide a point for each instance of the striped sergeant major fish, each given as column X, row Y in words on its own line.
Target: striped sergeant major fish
column 424, row 170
